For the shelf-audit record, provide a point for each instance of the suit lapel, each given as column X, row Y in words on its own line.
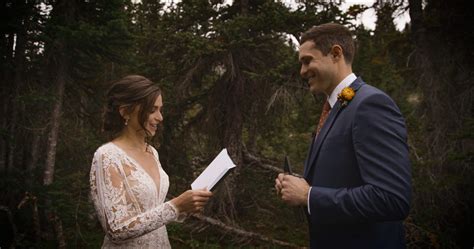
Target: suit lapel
column 308, row 157
column 322, row 135
column 316, row 145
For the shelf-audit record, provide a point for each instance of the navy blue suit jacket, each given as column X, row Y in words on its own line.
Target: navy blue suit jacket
column 359, row 170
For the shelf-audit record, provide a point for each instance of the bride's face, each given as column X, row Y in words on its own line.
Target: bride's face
column 152, row 123
column 155, row 118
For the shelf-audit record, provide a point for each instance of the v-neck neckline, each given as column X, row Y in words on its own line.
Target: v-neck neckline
column 157, row 186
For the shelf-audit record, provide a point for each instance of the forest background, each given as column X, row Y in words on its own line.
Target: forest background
column 230, row 76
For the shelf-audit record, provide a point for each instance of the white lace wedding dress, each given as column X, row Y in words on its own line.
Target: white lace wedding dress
column 129, row 206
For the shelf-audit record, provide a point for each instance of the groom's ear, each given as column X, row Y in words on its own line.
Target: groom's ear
column 337, row 53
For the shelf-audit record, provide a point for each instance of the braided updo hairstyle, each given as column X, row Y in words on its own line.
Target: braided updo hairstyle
column 130, row 91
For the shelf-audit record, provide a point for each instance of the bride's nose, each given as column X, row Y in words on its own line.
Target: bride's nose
column 159, row 117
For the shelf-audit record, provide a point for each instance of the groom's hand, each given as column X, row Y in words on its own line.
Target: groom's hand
column 294, row 190
column 278, row 185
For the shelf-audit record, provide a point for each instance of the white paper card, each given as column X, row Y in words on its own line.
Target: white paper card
column 214, row 172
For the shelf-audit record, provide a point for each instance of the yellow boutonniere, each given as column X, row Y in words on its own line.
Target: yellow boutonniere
column 346, row 95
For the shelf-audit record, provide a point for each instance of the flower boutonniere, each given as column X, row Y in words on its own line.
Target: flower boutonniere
column 346, row 95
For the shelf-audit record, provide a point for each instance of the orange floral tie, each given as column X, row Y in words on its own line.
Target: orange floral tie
column 323, row 117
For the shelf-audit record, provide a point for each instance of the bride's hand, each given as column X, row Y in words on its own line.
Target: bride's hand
column 192, row 201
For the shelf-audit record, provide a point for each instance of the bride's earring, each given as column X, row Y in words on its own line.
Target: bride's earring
column 126, row 121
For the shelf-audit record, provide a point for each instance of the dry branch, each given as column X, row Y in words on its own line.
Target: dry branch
column 263, row 163
column 238, row 231
column 241, row 232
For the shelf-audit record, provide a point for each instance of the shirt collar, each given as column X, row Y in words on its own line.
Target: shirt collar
column 332, row 99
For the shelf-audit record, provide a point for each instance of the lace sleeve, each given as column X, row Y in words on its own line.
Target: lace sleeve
column 121, row 215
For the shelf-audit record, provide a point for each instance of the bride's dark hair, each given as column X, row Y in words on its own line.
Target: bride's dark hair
column 130, row 91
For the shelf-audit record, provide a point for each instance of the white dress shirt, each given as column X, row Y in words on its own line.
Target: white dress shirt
column 332, row 99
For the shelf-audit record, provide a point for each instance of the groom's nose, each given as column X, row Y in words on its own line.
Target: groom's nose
column 303, row 71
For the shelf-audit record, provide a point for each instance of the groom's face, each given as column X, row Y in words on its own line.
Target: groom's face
column 317, row 68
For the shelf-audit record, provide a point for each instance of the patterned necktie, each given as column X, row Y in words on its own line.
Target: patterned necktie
column 323, row 117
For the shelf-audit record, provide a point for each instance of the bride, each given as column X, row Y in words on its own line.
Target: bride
column 128, row 184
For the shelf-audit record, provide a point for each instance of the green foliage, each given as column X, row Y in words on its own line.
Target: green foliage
column 206, row 56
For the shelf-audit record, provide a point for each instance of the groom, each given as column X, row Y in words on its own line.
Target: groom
column 357, row 182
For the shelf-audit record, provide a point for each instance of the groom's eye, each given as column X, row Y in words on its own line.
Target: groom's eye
column 305, row 60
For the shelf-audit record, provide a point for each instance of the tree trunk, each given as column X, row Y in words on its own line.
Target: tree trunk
column 64, row 14
column 416, row 16
column 7, row 78
column 31, row 164
column 58, row 229
column 4, row 125
column 444, row 66
column 60, row 83
column 33, row 157
column 244, row 7
column 30, row 198
column 18, row 81
column 230, row 98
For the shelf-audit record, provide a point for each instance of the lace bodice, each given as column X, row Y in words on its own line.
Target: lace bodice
column 129, row 206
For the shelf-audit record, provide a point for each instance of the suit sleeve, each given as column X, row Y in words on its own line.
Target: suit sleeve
column 380, row 144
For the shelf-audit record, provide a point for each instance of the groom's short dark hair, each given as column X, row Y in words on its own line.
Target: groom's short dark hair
column 327, row 35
